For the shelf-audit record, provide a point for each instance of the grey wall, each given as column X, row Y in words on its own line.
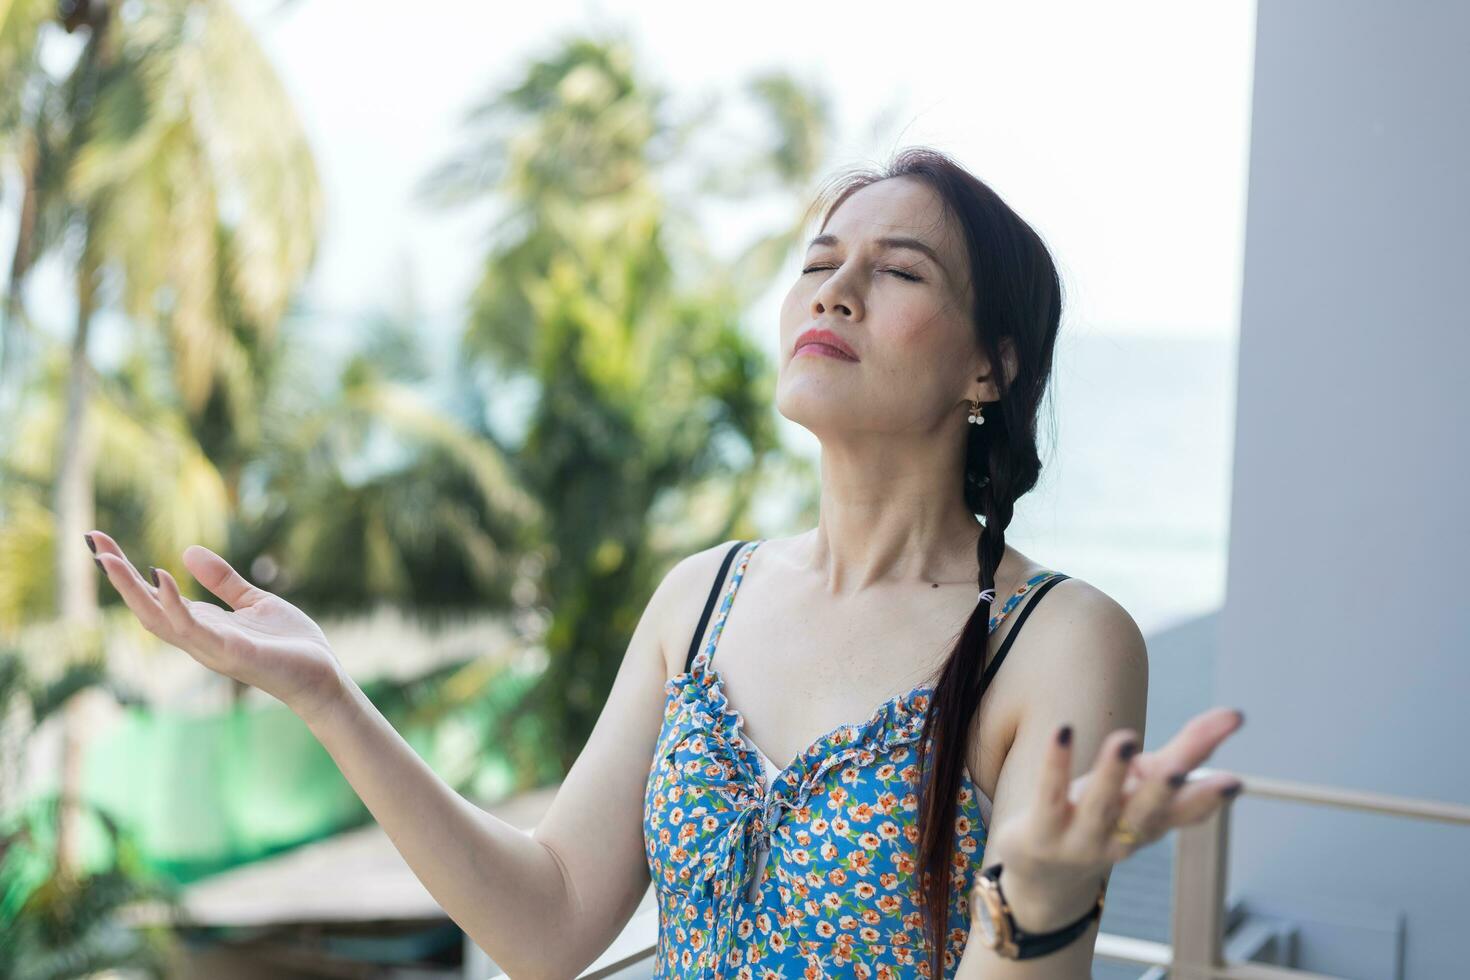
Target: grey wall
column 1345, row 634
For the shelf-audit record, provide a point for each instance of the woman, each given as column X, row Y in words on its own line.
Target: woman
column 916, row 344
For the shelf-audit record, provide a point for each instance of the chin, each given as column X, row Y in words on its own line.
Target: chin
column 815, row 410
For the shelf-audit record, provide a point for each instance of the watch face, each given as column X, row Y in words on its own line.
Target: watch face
column 986, row 921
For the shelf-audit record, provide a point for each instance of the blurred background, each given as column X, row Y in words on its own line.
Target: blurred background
column 456, row 325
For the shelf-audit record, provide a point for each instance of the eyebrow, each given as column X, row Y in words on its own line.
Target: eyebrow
column 913, row 244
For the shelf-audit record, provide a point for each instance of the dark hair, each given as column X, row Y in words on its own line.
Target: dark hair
column 1017, row 294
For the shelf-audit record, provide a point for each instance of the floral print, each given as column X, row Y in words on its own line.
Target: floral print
column 839, row 895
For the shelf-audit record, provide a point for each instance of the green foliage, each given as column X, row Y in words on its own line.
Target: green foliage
column 57, row 925
column 648, row 423
column 644, row 403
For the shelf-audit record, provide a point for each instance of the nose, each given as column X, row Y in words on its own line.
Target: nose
column 817, row 307
column 833, row 294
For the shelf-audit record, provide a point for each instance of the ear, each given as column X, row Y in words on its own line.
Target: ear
column 989, row 391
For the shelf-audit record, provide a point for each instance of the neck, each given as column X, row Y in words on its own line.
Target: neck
column 890, row 521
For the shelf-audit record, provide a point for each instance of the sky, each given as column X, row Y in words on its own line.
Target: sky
column 1120, row 131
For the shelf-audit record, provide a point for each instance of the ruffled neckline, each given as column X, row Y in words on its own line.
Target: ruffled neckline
column 897, row 721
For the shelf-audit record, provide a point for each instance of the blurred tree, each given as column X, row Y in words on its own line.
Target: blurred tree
column 365, row 492
column 23, row 138
column 170, row 158
column 59, row 921
column 645, row 407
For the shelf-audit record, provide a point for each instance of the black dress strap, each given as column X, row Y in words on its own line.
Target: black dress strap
column 709, row 605
column 1005, row 645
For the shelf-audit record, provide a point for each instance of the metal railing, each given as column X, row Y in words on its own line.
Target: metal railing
column 1201, row 852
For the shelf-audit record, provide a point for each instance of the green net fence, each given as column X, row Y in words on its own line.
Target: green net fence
column 197, row 795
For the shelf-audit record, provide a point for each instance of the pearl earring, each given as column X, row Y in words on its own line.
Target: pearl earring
column 975, row 409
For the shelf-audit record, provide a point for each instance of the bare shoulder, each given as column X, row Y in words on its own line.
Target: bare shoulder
column 1081, row 633
column 1075, row 606
column 680, row 599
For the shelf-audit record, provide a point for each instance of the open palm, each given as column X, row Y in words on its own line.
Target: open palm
column 1076, row 828
column 261, row 640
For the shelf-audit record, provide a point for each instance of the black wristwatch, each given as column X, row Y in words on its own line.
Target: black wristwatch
column 1000, row 932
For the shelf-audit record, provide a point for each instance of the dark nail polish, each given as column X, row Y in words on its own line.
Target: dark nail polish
column 1240, row 715
column 1177, row 780
column 90, row 544
column 1126, row 750
column 1230, row 791
column 1064, row 736
column 153, row 574
column 98, row 563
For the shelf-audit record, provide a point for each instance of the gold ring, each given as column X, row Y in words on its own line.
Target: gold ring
column 1123, row 832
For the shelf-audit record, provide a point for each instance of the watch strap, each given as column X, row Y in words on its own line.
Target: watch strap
column 1031, row 944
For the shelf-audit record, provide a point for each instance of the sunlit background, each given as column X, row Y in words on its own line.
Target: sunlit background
column 319, row 234
column 1137, row 186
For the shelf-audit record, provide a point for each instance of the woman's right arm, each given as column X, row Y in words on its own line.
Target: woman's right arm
column 540, row 905
column 543, row 904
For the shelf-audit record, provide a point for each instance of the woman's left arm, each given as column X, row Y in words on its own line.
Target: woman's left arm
column 1083, row 669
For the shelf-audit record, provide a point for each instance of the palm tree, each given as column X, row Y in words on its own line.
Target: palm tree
column 179, row 168
column 366, row 492
column 158, row 481
column 648, row 422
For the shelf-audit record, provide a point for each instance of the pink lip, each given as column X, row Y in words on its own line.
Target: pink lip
column 823, row 350
column 828, row 344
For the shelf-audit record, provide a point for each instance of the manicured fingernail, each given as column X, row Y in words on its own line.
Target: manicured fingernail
column 1126, row 750
column 1240, row 717
column 1177, row 780
column 90, row 544
column 1230, row 791
column 98, row 563
column 153, row 574
column 1064, row 735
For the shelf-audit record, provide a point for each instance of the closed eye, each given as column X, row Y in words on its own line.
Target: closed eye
column 897, row 272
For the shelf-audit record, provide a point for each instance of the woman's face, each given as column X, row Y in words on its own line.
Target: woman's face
column 905, row 314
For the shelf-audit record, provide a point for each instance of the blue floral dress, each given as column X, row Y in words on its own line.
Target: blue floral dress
column 837, row 893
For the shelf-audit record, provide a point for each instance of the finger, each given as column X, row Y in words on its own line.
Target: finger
column 102, row 543
column 195, row 636
column 216, row 575
column 1194, row 743
column 1146, row 809
column 1053, row 808
column 1102, row 802
column 136, row 593
column 1200, row 796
